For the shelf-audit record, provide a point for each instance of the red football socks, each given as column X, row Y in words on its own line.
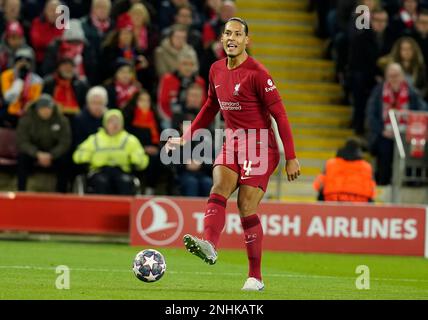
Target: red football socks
column 253, row 240
column 215, row 217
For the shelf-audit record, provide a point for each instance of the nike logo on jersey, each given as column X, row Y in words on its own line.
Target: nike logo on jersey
column 245, row 178
column 217, row 86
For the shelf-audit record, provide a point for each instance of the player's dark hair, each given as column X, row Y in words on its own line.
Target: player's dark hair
column 241, row 21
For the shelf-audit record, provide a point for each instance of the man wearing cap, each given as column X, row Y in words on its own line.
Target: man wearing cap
column 13, row 39
column 19, row 87
column 43, row 139
column 73, row 45
column 112, row 154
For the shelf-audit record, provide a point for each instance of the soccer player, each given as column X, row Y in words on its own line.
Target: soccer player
column 243, row 90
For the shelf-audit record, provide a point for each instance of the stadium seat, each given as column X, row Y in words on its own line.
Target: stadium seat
column 8, row 147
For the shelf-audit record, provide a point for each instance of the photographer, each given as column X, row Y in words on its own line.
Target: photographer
column 19, row 87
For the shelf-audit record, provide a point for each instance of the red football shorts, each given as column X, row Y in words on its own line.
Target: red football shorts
column 254, row 159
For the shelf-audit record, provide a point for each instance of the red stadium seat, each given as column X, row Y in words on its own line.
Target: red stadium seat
column 8, row 148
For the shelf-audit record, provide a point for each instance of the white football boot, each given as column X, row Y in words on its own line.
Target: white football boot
column 200, row 248
column 252, row 284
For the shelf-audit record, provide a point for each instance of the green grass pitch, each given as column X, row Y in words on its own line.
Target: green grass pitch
column 103, row 271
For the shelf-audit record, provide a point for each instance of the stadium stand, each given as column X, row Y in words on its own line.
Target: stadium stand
column 304, row 43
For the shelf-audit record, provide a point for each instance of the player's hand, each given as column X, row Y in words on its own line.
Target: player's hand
column 293, row 169
column 173, row 143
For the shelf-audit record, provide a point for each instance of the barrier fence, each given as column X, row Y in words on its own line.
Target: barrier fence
column 162, row 221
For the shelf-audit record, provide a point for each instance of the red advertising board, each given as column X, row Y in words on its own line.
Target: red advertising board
column 326, row 227
column 60, row 213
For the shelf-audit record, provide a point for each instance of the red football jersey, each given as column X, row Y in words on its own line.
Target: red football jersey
column 246, row 97
column 243, row 95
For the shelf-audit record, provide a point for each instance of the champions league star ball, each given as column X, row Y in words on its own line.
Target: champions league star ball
column 149, row 265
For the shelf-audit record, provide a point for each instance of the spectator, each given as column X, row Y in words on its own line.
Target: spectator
column 122, row 44
column 194, row 37
column 143, row 31
column 19, row 87
column 43, row 30
column 13, row 40
column 141, row 121
column 421, row 33
column 407, row 53
column 11, row 13
column 346, row 30
column 90, row 119
column 31, row 9
column 404, row 22
column 123, row 86
column 187, row 111
column 211, row 37
column 168, row 9
column 173, row 86
column 122, row 6
column 78, row 8
column 394, row 93
column 213, row 29
column 166, row 55
column 43, row 138
column 365, row 49
column 66, row 89
column 347, row 177
column 194, row 175
column 73, row 45
column 111, row 153
column 97, row 24
column 211, row 9
column 146, row 37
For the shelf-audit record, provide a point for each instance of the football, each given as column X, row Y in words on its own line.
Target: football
column 149, row 265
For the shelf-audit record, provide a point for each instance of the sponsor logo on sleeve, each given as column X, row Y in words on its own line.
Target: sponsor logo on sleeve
column 271, row 86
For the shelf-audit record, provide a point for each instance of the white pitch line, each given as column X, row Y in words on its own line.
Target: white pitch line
column 279, row 275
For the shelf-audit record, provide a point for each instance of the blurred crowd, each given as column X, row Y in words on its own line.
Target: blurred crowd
column 381, row 67
column 92, row 98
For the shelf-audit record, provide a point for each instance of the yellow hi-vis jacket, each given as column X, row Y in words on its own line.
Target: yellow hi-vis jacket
column 102, row 150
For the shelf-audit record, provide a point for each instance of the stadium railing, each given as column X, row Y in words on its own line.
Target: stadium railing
column 408, row 167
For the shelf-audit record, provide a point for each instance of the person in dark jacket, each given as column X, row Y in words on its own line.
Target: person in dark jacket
column 67, row 90
column 96, row 25
column 395, row 93
column 43, row 139
column 421, row 34
column 366, row 48
column 194, row 175
column 91, row 117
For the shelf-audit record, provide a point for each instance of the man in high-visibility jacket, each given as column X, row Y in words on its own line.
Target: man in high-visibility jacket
column 347, row 177
column 112, row 155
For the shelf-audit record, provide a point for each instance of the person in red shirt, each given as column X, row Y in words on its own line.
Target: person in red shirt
column 43, row 30
column 172, row 87
column 245, row 94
